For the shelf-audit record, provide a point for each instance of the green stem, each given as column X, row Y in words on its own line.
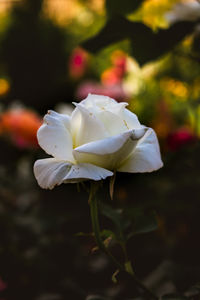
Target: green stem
column 97, row 232
column 101, row 246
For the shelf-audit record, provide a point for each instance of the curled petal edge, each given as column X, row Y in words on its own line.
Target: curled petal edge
column 146, row 157
column 50, row 172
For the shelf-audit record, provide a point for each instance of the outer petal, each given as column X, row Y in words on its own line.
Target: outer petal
column 50, row 172
column 54, row 136
column 93, row 100
column 84, row 171
column 146, row 156
column 131, row 119
column 110, row 152
column 85, row 126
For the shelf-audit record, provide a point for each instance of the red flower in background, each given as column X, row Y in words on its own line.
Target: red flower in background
column 179, row 138
column 21, row 126
column 78, row 63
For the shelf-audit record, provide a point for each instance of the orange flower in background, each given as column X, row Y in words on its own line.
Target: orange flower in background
column 114, row 75
column 110, row 77
column 21, row 126
column 118, row 59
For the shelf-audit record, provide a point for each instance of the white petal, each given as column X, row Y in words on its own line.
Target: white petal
column 84, row 171
column 146, row 156
column 85, row 126
column 109, row 153
column 50, row 172
column 97, row 103
column 113, row 123
column 93, row 100
column 64, row 118
column 54, row 136
column 131, row 119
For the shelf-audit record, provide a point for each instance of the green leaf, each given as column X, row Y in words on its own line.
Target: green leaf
column 113, row 214
column 143, row 222
column 119, row 7
column 128, row 223
column 146, row 44
column 118, row 219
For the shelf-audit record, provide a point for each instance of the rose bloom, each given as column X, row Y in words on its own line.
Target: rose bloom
column 101, row 136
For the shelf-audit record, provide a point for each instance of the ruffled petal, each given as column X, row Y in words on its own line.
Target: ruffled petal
column 109, row 153
column 50, row 172
column 85, row 126
column 146, row 156
column 54, row 136
column 94, row 100
column 85, row 171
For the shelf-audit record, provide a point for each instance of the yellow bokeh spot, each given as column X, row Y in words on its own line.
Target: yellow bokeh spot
column 175, row 87
column 64, row 12
column 4, row 86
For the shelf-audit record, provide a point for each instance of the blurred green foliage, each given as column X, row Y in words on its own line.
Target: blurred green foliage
column 146, row 45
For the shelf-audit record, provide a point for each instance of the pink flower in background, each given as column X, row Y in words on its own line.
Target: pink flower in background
column 78, row 63
column 180, row 138
column 91, row 87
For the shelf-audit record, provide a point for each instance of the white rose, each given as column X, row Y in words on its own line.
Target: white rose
column 100, row 136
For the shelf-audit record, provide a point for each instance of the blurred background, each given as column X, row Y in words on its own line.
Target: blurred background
column 146, row 53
